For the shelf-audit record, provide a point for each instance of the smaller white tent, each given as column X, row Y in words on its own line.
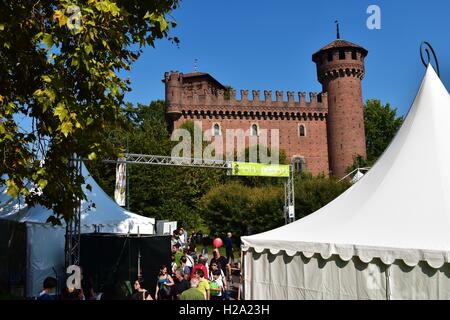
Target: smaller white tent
column 45, row 243
column 385, row 237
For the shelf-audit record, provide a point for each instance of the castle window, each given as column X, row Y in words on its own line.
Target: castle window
column 330, row 56
column 341, row 55
column 216, row 129
column 354, row 55
column 299, row 164
column 254, row 130
column 302, row 130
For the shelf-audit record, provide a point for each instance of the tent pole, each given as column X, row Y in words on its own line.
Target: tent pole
column 241, row 275
column 388, row 285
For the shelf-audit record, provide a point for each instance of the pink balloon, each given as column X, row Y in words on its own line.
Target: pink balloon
column 217, row 242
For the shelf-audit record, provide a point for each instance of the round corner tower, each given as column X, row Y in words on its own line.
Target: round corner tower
column 173, row 96
column 340, row 70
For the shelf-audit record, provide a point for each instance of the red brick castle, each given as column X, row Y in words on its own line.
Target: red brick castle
column 321, row 135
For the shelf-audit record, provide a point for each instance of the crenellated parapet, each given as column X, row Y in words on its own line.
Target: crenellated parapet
column 202, row 94
column 253, row 100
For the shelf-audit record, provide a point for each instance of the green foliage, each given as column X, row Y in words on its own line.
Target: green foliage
column 60, row 62
column 241, row 209
column 381, row 124
column 312, row 193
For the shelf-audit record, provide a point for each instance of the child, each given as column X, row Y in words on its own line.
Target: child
column 216, row 286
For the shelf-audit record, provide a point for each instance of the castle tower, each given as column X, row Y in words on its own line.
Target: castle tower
column 340, row 70
column 174, row 90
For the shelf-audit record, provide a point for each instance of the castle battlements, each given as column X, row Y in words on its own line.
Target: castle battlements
column 201, row 92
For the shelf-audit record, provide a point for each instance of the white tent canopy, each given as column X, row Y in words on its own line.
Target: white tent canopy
column 399, row 211
column 45, row 243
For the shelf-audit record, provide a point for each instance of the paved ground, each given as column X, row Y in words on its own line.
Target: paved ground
column 234, row 284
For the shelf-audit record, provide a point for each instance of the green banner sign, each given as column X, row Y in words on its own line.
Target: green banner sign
column 247, row 169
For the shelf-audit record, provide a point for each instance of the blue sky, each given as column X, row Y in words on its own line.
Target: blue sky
column 267, row 45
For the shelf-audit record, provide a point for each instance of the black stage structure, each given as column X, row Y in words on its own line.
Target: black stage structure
column 113, row 261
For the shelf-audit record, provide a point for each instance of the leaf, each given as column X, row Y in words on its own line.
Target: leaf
column 89, row 121
column 92, row 156
column 62, row 19
column 51, row 95
column 2, row 27
column 66, row 128
column 47, row 39
column 38, row 93
column 61, row 112
column 88, row 49
column 13, row 189
column 42, row 183
column 157, row 18
column 46, row 78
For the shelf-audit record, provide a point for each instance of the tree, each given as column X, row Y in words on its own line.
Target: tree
column 381, row 124
column 313, row 193
column 242, row 209
column 60, row 62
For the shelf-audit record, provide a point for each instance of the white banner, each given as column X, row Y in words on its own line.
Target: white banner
column 121, row 183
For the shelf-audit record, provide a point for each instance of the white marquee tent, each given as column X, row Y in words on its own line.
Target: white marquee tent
column 387, row 237
column 45, row 243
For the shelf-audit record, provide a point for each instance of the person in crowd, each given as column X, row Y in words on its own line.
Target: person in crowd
column 49, row 289
column 163, row 287
column 173, row 265
column 189, row 259
column 72, row 294
column 215, row 266
column 217, row 286
column 221, row 261
column 200, row 265
column 192, row 243
column 173, row 240
column 87, row 284
column 184, row 267
column 205, row 242
column 181, row 284
column 193, row 293
column 228, row 243
column 184, row 236
column 199, row 237
column 203, row 284
column 139, row 292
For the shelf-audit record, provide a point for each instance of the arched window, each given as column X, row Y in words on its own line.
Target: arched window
column 341, row 55
column 299, row 164
column 302, row 130
column 216, row 129
column 254, row 130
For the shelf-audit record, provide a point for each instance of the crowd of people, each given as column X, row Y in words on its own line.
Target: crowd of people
column 192, row 275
